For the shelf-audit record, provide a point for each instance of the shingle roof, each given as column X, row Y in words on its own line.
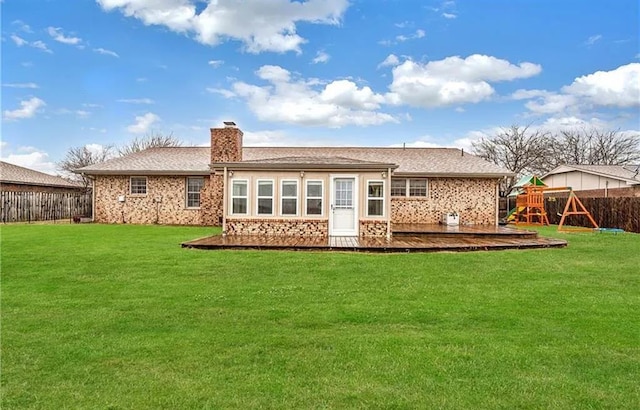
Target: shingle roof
column 10, row 173
column 628, row 174
column 196, row 160
column 434, row 161
column 166, row 160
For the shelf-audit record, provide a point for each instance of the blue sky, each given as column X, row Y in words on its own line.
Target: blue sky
column 318, row 72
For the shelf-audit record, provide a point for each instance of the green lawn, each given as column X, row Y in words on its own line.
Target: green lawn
column 118, row 317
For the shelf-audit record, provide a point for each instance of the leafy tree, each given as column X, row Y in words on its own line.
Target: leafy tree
column 149, row 141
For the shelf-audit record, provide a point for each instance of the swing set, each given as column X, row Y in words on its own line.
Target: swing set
column 530, row 210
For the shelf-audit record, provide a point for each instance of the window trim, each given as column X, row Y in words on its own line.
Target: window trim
column 146, row 185
column 187, row 192
column 306, row 197
column 407, row 187
column 272, row 197
column 376, row 198
column 297, row 197
column 232, row 197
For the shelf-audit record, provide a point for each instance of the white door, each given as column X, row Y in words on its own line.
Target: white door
column 343, row 217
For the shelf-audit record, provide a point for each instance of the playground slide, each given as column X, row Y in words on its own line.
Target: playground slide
column 512, row 213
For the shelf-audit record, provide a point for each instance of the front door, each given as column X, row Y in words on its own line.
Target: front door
column 343, row 217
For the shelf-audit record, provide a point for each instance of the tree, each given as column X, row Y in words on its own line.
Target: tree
column 596, row 147
column 79, row 157
column 517, row 149
column 149, row 141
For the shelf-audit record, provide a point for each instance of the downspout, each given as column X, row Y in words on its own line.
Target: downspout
column 93, row 199
column 498, row 203
column 387, row 193
column 224, row 203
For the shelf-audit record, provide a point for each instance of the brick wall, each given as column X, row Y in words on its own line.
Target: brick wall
column 278, row 227
column 147, row 209
column 473, row 198
column 373, row 227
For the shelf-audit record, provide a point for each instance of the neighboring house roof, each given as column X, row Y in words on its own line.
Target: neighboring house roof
column 14, row 174
column 196, row 160
column 628, row 174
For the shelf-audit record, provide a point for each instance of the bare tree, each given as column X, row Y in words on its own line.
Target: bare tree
column 79, row 157
column 596, row 147
column 149, row 141
column 517, row 149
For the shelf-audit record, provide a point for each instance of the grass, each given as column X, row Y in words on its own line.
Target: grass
column 115, row 317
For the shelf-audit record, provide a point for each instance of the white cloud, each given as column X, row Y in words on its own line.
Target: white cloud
column 28, row 108
column 321, row 57
column 33, row 159
column 593, row 39
column 215, row 63
column 57, row 35
column 40, row 46
column 136, row 100
column 306, row 102
column 616, row 88
column 453, row 80
column 449, row 15
column 391, row 60
column 22, row 26
column 19, row 41
column 106, row 52
column 20, row 85
column 223, row 92
column 259, row 25
column 143, row 123
column 418, row 34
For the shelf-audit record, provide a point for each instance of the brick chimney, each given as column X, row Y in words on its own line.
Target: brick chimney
column 226, row 143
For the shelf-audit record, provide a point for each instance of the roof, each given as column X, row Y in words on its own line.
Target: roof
column 196, row 160
column 429, row 161
column 308, row 162
column 627, row 173
column 14, row 174
column 161, row 161
column 529, row 180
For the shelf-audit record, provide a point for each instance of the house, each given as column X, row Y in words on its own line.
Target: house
column 14, row 178
column 596, row 180
column 319, row 191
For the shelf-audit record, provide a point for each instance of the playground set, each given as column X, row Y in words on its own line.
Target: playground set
column 529, row 209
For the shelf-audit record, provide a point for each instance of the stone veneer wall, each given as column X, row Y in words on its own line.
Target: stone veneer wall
column 473, row 198
column 373, row 227
column 145, row 209
column 278, row 227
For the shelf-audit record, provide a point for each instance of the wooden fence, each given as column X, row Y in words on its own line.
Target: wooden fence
column 623, row 213
column 44, row 206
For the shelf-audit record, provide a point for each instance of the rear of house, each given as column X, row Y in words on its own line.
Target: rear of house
column 304, row 191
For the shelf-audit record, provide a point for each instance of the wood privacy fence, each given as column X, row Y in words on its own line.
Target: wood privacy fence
column 623, row 213
column 44, row 206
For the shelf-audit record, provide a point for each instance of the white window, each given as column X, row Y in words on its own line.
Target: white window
column 412, row 187
column 138, row 185
column 289, row 197
column 375, row 198
column 314, row 197
column 194, row 186
column 418, row 187
column 398, row 187
column 264, row 196
column 239, row 197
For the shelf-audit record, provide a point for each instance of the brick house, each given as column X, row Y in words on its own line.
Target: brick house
column 302, row 191
column 592, row 181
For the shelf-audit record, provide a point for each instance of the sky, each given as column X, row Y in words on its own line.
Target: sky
column 316, row 72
